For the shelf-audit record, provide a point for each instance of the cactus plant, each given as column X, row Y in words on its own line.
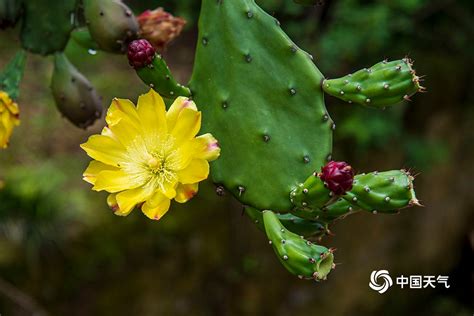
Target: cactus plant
column 111, row 24
column 75, row 96
column 46, row 28
column 263, row 98
column 10, row 11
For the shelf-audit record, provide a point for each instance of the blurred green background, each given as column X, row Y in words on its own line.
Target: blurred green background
column 63, row 252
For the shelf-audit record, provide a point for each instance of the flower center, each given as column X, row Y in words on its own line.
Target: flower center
column 161, row 166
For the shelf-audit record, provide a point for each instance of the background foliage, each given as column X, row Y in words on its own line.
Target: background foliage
column 62, row 252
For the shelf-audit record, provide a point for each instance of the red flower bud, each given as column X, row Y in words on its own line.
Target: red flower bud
column 338, row 176
column 159, row 27
column 140, row 53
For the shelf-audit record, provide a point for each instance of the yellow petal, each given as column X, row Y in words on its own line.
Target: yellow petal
column 152, row 113
column 13, row 107
column 183, row 155
column 175, row 109
column 4, row 136
column 123, row 122
column 187, row 126
column 156, row 207
column 128, row 199
column 116, row 181
column 185, row 192
column 197, row 171
column 112, row 203
column 120, row 109
column 93, row 170
column 169, row 189
column 207, row 147
column 105, row 149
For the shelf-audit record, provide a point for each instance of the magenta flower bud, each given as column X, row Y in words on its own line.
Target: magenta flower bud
column 140, row 53
column 338, row 177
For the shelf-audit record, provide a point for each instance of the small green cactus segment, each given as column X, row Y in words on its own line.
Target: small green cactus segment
column 10, row 11
column 46, row 27
column 384, row 192
column 11, row 76
column 261, row 97
column 311, row 194
column 299, row 256
column 328, row 214
column 158, row 76
column 111, row 23
column 75, row 96
column 383, row 84
column 83, row 38
column 339, row 209
column 299, row 226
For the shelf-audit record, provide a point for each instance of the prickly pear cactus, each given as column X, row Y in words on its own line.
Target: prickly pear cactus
column 111, row 24
column 261, row 96
column 299, row 256
column 75, row 96
column 11, row 76
column 263, row 99
column 46, row 27
column 9, row 13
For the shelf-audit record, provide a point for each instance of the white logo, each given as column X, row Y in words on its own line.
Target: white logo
column 381, row 274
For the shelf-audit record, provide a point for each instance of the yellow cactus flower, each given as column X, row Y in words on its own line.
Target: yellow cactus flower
column 9, row 118
column 147, row 156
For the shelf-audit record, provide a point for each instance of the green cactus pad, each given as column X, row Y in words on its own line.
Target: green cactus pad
column 261, row 97
column 10, row 11
column 46, row 27
column 299, row 256
column 11, row 76
column 311, row 194
column 383, row 84
column 384, row 192
column 299, row 226
column 111, row 24
column 339, row 208
column 75, row 96
column 158, row 76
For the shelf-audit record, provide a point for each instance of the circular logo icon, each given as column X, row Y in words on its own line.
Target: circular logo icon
column 384, row 277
